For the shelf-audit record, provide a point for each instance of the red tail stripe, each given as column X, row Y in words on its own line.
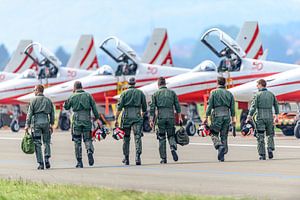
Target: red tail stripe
column 95, row 61
column 24, row 61
column 88, row 52
column 160, row 49
column 252, row 40
column 168, row 57
column 259, row 52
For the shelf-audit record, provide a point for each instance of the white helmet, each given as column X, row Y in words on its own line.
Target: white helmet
column 206, row 65
column 105, row 70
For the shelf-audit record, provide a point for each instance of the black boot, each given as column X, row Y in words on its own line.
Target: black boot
column 270, row 153
column 163, row 161
column 79, row 163
column 174, row 155
column 91, row 159
column 47, row 163
column 126, row 160
column 41, row 166
column 262, row 157
column 138, row 159
column 221, row 152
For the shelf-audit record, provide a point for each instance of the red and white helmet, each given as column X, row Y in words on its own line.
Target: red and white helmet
column 118, row 133
column 203, row 130
column 248, row 129
column 100, row 133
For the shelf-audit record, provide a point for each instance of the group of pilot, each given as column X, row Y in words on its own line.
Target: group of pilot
column 164, row 103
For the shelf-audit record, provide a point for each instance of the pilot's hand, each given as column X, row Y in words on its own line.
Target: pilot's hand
column 99, row 123
column 180, row 120
column 276, row 120
column 151, row 123
column 116, row 124
column 51, row 129
column 26, row 129
column 233, row 121
column 205, row 121
column 249, row 118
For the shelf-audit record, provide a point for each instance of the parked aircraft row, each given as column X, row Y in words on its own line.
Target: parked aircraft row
column 241, row 61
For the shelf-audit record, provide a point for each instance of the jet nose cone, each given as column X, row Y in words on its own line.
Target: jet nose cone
column 117, row 97
column 25, row 98
column 242, row 94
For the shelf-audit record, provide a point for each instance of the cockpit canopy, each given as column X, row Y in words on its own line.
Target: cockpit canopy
column 104, row 70
column 205, row 66
column 43, row 55
column 221, row 43
column 28, row 74
column 126, row 58
column 48, row 63
column 118, row 50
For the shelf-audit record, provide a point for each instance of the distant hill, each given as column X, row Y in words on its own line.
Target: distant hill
column 4, row 56
column 62, row 55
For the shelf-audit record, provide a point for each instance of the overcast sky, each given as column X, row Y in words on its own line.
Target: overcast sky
column 60, row 22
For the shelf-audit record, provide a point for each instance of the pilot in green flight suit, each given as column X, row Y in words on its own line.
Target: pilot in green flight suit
column 82, row 103
column 41, row 116
column 165, row 101
column 132, row 101
column 262, row 105
column 222, row 111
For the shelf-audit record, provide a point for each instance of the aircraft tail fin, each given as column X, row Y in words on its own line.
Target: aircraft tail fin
column 158, row 49
column 19, row 61
column 84, row 56
column 250, row 41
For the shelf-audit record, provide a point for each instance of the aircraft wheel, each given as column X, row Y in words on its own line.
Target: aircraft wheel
column 287, row 131
column 297, row 130
column 190, row 128
column 64, row 124
column 14, row 126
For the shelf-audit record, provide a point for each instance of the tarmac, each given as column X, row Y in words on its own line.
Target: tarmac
column 197, row 171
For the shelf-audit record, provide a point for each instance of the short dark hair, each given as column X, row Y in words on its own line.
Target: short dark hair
column 40, row 88
column 161, row 81
column 77, row 85
column 221, row 80
column 262, row 82
column 131, row 81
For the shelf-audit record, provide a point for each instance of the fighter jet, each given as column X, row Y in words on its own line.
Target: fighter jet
column 234, row 66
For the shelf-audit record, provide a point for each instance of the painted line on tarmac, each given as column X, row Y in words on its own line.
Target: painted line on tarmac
column 246, row 145
column 218, row 172
column 10, row 138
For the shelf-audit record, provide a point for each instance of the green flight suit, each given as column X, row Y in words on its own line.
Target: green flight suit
column 221, row 109
column 262, row 105
column 165, row 100
column 132, row 101
column 40, row 115
column 82, row 103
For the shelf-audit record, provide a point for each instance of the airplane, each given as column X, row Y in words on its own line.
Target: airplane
column 49, row 73
column 18, row 62
column 105, row 87
column 145, row 74
column 157, row 52
column 195, row 86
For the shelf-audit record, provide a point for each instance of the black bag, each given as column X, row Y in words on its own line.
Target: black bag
column 182, row 137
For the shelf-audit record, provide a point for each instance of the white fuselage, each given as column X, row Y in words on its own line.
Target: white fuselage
column 104, row 87
column 285, row 85
column 12, row 89
column 194, row 86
